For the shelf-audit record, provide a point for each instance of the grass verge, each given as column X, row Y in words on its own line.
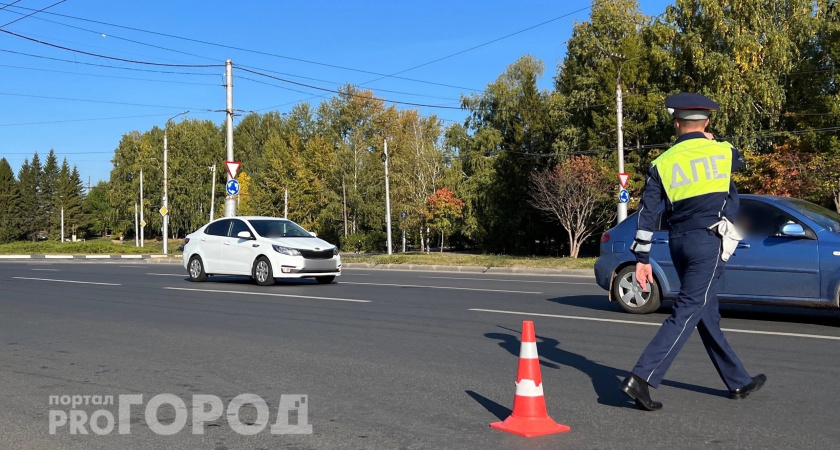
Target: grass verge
column 89, row 247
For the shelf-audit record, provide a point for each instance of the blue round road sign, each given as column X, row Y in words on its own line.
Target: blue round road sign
column 232, row 187
column 623, row 196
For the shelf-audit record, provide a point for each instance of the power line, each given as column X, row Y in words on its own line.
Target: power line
column 32, row 14
column 108, row 76
column 423, row 105
column 92, row 120
column 136, row 69
column 105, row 56
column 11, row 4
column 258, row 52
column 481, row 45
column 105, row 101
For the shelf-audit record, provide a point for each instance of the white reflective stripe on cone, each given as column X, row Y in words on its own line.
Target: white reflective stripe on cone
column 528, row 350
column 527, row 388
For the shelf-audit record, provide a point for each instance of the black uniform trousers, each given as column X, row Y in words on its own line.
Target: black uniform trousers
column 696, row 256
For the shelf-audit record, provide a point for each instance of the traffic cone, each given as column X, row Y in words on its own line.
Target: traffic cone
column 529, row 417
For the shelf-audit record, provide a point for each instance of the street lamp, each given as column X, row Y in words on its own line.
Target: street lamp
column 620, row 61
column 165, row 191
column 387, row 197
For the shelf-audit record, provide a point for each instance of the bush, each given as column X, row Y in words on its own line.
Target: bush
column 373, row 241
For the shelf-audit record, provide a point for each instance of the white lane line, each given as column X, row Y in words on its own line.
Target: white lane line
column 68, row 281
column 183, row 275
column 442, row 287
column 656, row 324
column 135, row 266
column 514, row 281
column 47, row 270
column 269, row 294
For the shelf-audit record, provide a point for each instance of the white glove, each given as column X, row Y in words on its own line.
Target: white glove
column 729, row 237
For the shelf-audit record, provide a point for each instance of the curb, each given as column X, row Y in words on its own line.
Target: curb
column 473, row 269
column 145, row 258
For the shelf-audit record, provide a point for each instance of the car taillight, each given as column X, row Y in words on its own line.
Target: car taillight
column 605, row 237
column 187, row 241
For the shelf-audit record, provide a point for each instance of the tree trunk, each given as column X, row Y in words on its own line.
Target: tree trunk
column 441, row 240
column 422, row 240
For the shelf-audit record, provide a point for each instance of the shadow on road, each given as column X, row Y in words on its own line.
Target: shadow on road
column 592, row 302
column 605, row 379
column 500, row 411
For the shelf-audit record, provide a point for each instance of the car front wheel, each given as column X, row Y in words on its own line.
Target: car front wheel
column 196, row 269
column 263, row 274
column 629, row 294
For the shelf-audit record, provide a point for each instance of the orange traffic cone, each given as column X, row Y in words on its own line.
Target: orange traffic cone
column 529, row 417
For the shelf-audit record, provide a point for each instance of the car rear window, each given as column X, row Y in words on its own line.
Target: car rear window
column 219, row 228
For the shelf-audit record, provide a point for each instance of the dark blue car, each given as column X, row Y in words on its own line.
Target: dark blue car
column 790, row 255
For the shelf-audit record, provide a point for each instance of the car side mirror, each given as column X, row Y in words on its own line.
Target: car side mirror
column 244, row 235
column 313, row 234
column 793, row 230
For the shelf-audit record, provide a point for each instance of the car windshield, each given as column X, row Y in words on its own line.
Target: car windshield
column 269, row 228
column 826, row 218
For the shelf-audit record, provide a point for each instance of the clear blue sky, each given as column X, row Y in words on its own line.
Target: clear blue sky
column 372, row 35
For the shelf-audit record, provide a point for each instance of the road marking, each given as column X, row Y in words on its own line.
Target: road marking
column 656, row 324
column 443, row 287
column 67, row 281
column 515, row 281
column 131, row 256
column 168, row 275
column 135, row 266
column 97, row 256
column 50, row 270
column 15, row 256
column 58, row 256
column 269, row 294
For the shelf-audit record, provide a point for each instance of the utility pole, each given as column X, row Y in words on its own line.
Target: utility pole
column 230, row 201
column 619, row 113
column 286, row 204
column 62, row 220
column 142, row 228
column 387, row 198
column 212, row 191
column 136, row 228
column 165, row 186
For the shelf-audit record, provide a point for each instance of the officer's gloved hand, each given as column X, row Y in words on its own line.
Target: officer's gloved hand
column 644, row 275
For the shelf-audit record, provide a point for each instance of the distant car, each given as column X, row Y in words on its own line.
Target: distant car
column 264, row 248
column 790, row 256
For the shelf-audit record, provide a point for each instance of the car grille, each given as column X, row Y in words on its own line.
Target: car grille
column 316, row 254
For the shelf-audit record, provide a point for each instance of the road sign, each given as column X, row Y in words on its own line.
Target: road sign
column 232, row 187
column 403, row 214
column 163, row 211
column 232, row 167
column 623, row 178
column 623, row 196
column 143, row 223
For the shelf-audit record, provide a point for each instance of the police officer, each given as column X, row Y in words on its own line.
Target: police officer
column 694, row 178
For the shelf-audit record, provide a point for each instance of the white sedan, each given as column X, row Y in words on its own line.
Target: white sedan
column 263, row 248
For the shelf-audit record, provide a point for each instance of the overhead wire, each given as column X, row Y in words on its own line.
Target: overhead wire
column 107, row 76
column 136, row 69
column 33, row 13
column 103, row 101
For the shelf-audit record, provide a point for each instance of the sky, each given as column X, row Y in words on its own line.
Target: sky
column 81, row 104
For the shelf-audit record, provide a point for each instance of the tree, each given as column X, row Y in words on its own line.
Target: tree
column 577, row 193
column 442, row 210
column 98, row 207
column 9, row 204
column 30, row 214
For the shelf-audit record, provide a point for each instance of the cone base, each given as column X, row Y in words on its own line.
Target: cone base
column 530, row 426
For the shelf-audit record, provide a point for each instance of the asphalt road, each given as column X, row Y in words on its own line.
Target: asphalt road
column 389, row 359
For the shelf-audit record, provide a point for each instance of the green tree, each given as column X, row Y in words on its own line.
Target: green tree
column 10, row 204
column 30, row 214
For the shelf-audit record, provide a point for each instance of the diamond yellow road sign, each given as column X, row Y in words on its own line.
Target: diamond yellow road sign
column 163, row 211
column 143, row 223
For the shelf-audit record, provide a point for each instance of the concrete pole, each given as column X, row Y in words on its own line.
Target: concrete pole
column 136, row 227
column 213, row 192
column 62, row 221
column 142, row 228
column 286, row 204
column 403, row 241
column 230, row 201
column 387, row 201
column 622, row 207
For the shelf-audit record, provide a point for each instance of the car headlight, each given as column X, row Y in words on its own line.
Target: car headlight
column 335, row 251
column 285, row 250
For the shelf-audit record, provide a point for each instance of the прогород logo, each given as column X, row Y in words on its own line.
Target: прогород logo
column 203, row 409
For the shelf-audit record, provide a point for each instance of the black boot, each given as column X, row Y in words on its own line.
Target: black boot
column 637, row 389
column 754, row 385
